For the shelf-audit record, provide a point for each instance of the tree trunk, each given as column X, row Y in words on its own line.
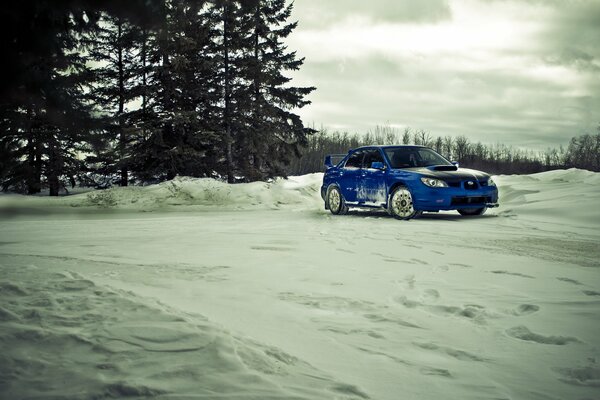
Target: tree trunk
column 254, row 139
column 228, row 134
column 54, row 166
column 144, row 84
column 122, row 136
column 34, row 170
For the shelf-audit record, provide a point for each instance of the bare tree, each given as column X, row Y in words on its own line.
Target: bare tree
column 461, row 148
column 406, row 136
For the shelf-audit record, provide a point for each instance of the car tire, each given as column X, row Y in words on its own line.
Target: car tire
column 335, row 201
column 400, row 205
column 472, row 211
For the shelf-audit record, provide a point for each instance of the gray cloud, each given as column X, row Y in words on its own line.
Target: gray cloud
column 534, row 89
column 573, row 35
column 322, row 13
column 488, row 107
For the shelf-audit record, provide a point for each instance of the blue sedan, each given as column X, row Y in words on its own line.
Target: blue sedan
column 406, row 181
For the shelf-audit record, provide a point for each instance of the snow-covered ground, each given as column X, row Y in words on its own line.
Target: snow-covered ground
column 194, row 288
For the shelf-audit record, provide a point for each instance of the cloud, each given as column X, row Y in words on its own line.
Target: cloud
column 322, row 13
column 518, row 72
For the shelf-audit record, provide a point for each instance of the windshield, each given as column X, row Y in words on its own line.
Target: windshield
column 410, row 157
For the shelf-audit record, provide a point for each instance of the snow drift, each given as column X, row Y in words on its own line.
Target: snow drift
column 186, row 191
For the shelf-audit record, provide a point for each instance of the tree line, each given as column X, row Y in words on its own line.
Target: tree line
column 582, row 151
column 144, row 90
column 114, row 92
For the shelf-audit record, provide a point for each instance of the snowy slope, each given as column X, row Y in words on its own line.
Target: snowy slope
column 254, row 291
column 185, row 191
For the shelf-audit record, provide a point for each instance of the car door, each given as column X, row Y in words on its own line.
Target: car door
column 349, row 176
column 371, row 182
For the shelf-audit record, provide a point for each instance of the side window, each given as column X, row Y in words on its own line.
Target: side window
column 372, row 156
column 355, row 160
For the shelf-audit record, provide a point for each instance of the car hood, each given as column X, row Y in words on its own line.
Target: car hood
column 460, row 174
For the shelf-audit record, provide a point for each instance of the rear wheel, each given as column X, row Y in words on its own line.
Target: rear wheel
column 336, row 202
column 401, row 204
column 472, row 211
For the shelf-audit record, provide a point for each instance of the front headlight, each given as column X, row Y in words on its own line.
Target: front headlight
column 434, row 183
column 491, row 182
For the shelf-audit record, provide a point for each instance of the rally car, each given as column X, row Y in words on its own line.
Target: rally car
column 406, row 181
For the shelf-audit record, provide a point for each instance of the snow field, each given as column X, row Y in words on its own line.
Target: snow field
column 270, row 296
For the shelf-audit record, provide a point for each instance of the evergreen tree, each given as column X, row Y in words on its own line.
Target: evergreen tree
column 47, row 118
column 182, row 133
column 230, row 44
column 113, row 47
column 272, row 134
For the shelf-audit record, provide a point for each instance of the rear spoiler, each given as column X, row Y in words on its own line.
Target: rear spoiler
column 332, row 160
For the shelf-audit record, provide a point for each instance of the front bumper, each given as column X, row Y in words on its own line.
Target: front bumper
column 449, row 198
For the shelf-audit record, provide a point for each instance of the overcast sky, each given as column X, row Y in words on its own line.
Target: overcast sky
column 521, row 72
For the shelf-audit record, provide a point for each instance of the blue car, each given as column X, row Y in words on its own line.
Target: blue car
column 406, row 181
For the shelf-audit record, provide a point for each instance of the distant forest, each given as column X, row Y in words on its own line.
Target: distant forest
column 582, row 151
column 140, row 91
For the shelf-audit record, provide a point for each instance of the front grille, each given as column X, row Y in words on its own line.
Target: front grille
column 462, row 200
column 470, row 185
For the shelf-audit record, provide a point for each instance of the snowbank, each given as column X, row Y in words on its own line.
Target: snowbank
column 568, row 197
column 185, row 191
column 562, row 195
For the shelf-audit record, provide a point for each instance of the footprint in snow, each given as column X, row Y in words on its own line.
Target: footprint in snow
column 523, row 333
column 391, row 319
column 573, row 281
column 526, row 309
column 591, row 293
column 455, row 353
column 345, row 251
column 460, row 265
column 350, row 390
column 473, row 312
column 586, row 376
column 432, row 294
column 501, row 272
column 436, row 372
column 410, row 281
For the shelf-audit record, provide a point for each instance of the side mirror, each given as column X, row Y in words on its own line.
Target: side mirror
column 377, row 165
column 455, row 163
column 328, row 163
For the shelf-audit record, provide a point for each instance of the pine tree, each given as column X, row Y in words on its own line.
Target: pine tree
column 182, row 134
column 114, row 47
column 229, row 44
column 46, row 118
column 273, row 133
column 44, row 112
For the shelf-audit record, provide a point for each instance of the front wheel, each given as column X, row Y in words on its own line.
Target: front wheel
column 472, row 211
column 400, row 205
column 336, row 202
